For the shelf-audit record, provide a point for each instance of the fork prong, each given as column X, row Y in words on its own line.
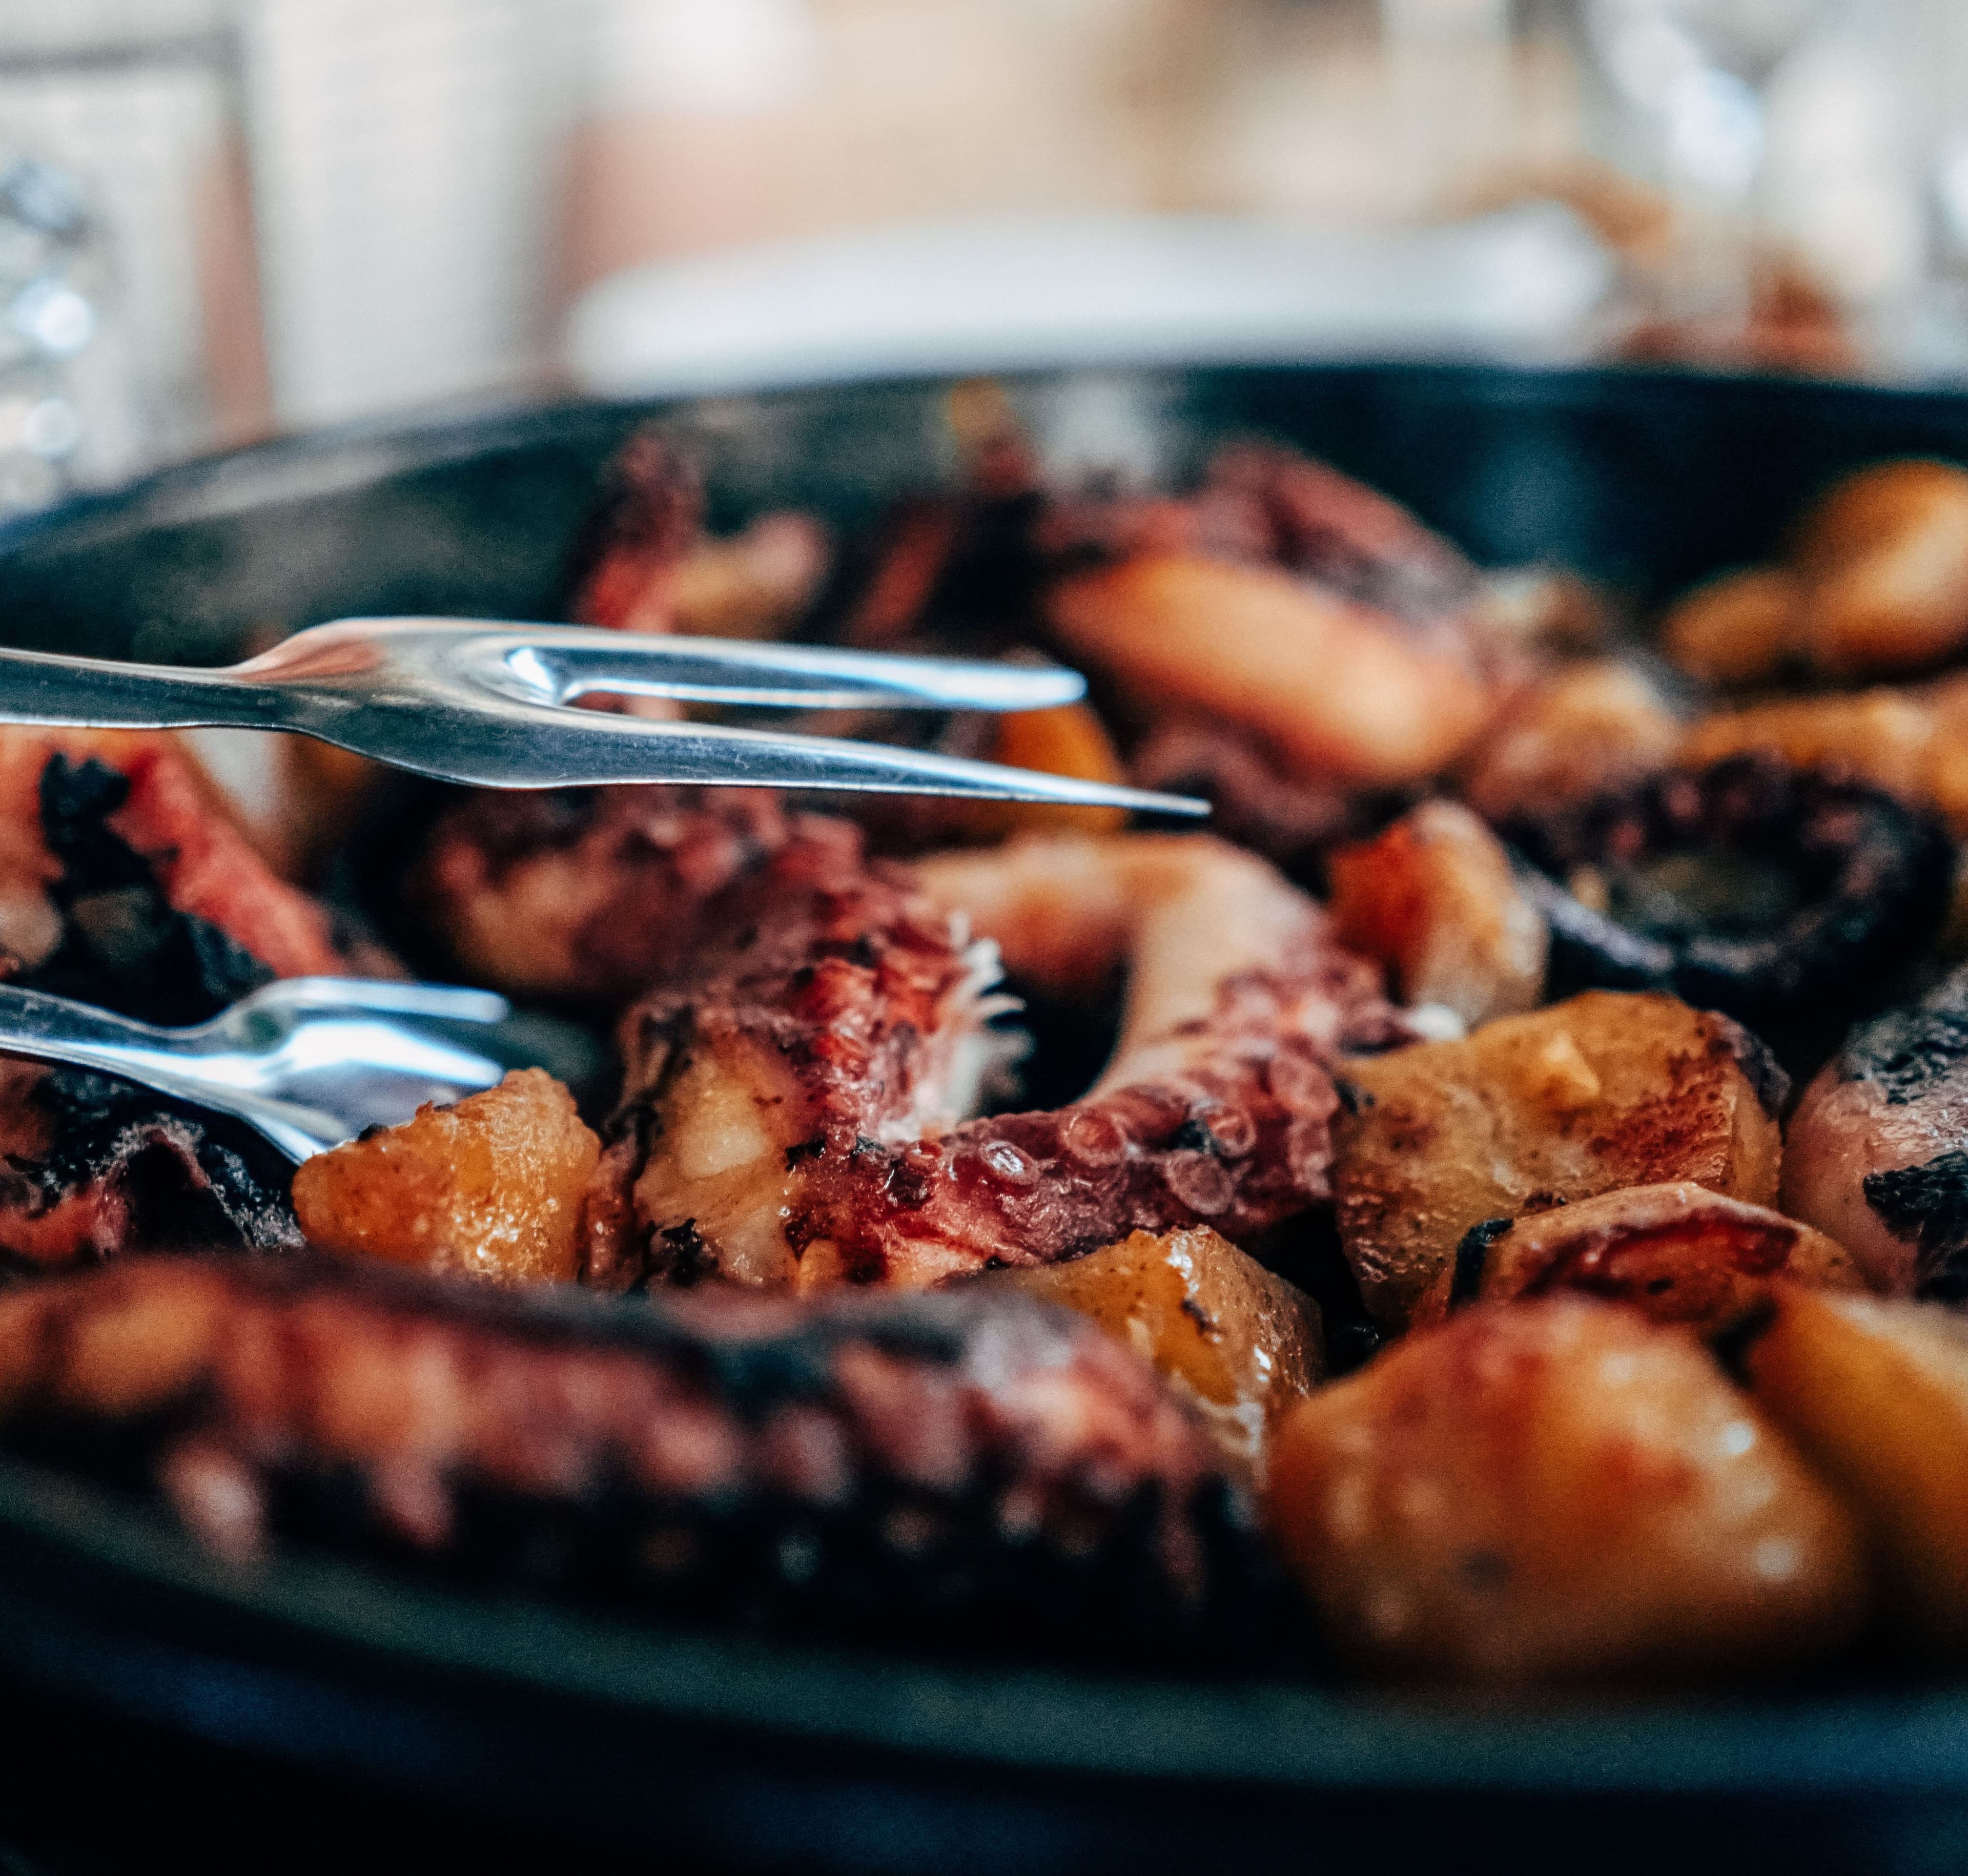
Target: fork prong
column 557, row 664
column 454, row 1003
column 544, row 746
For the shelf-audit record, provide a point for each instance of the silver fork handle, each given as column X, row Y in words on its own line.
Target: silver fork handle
column 110, row 693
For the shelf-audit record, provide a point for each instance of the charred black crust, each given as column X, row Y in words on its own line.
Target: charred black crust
column 1928, row 1205
column 124, row 946
column 1761, row 1068
column 1908, row 1052
column 1465, row 1283
column 1872, row 876
column 1731, row 1344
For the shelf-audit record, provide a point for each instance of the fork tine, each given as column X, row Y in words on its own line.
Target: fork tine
column 560, row 663
column 453, row 1003
column 545, row 745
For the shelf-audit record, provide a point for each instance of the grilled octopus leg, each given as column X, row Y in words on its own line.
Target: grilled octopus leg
column 776, row 1128
column 977, row 1467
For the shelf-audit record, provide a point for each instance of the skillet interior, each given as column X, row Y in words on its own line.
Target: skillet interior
column 759, row 1754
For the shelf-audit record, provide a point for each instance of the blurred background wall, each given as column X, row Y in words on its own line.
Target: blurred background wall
column 218, row 218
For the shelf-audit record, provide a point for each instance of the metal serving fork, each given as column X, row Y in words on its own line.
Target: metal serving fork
column 308, row 1062
column 468, row 701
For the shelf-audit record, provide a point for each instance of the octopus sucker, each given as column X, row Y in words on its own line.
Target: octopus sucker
column 794, row 1115
column 1876, row 1153
column 981, row 1469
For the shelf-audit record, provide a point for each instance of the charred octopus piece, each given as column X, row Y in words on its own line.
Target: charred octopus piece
column 778, row 1124
column 979, row 1468
column 155, row 906
column 1770, row 892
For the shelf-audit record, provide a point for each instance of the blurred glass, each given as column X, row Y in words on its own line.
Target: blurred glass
column 1697, row 74
column 130, row 331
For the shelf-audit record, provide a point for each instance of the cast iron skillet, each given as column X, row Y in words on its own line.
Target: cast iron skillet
column 749, row 1754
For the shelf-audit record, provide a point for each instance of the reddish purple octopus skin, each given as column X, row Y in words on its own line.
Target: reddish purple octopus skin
column 968, row 1466
column 1239, row 1142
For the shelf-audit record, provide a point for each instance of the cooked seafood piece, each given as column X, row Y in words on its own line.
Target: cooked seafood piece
column 1678, row 1253
column 1600, row 1091
column 643, row 562
column 977, row 1466
column 1875, row 1394
column 1336, row 690
column 1877, row 1152
column 491, row 1187
column 1253, row 801
column 1559, row 1491
column 1278, row 505
column 1436, row 900
column 830, row 1008
column 1775, row 893
column 1883, row 561
column 1239, row 1343
column 121, row 884
column 789, row 1108
column 1912, row 741
column 587, row 895
column 1587, row 728
column 1740, row 628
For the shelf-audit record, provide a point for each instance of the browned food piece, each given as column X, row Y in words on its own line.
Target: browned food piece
column 1436, row 900
column 588, row 895
column 1875, row 1393
column 1602, row 1091
column 1884, row 561
column 490, row 1188
column 1559, row 1491
column 1912, row 741
column 1588, row 728
column 1238, row 1341
column 1676, row 1252
column 1336, row 687
column 974, row 1467
column 1739, row 628
column 1068, row 741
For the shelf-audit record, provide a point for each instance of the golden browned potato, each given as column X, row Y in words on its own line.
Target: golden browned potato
column 1435, row 899
column 1241, row 1342
column 1559, row 1491
column 1068, row 741
column 1604, row 1090
column 1589, row 727
column 1334, row 688
column 1739, row 628
column 1676, row 1252
column 1875, row 1394
column 1884, row 561
column 490, row 1188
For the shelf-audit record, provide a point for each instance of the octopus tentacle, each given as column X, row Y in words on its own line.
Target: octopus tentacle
column 791, row 1113
column 979, row 1468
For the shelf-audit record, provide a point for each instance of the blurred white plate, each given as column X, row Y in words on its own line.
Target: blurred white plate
column 998, row 294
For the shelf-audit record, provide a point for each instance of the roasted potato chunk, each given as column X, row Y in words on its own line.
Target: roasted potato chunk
column 1884, row 559
column 1676, row 1252
column 1068, row 741
column 1334, row 688
column 1875, row 1394
column 1242, row 1344
column 1435, row 899
column 491, row 1188
column 1558, row 1492
column 1740, row 628
column 1602, row 1091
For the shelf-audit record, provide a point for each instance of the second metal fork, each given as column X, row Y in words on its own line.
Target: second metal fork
column 468, row 701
